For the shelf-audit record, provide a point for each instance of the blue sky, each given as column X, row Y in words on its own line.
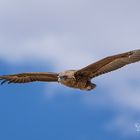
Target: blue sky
column 55, row 35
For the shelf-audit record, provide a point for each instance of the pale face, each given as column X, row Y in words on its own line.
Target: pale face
column 66, row 76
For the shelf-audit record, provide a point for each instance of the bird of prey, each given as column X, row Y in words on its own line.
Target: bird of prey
column 80, row 79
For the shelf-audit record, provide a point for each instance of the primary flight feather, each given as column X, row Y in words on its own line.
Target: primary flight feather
column 80, row 79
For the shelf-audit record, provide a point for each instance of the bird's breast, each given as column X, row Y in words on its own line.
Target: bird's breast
column 74, row 83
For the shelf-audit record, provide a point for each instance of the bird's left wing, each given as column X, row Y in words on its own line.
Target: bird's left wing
column 109, row 64
column 29, row 77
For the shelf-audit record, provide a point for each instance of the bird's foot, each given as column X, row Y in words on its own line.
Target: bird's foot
column 90, row 87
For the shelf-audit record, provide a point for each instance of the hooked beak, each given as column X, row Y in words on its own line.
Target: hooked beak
column 59, row 79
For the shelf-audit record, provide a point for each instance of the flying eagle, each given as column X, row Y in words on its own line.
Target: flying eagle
column 80, row 79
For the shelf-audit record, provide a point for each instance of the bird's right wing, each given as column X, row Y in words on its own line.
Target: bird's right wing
column 29, row 77
column 109, row 64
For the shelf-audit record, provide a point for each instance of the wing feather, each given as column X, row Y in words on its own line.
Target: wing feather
column 29, row 77
column 109, row 64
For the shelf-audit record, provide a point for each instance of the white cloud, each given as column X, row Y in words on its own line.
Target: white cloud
column 57, row 49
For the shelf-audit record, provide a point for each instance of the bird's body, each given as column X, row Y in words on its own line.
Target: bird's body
column 80, row 79
column 68, row 78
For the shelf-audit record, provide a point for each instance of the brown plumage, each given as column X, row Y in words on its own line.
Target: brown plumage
column 80, row 79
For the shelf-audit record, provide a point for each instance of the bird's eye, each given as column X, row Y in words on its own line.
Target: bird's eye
column 64, row 77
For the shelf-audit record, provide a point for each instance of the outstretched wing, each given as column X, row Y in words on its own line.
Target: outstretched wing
column 29, row 77
column 109, row 64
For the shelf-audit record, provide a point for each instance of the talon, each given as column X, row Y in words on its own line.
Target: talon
column 90, row 86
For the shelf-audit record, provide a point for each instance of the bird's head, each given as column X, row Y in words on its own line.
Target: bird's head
column 66, row 75
column 62, row 78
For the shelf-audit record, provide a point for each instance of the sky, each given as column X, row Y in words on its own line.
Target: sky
column 56, row 35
